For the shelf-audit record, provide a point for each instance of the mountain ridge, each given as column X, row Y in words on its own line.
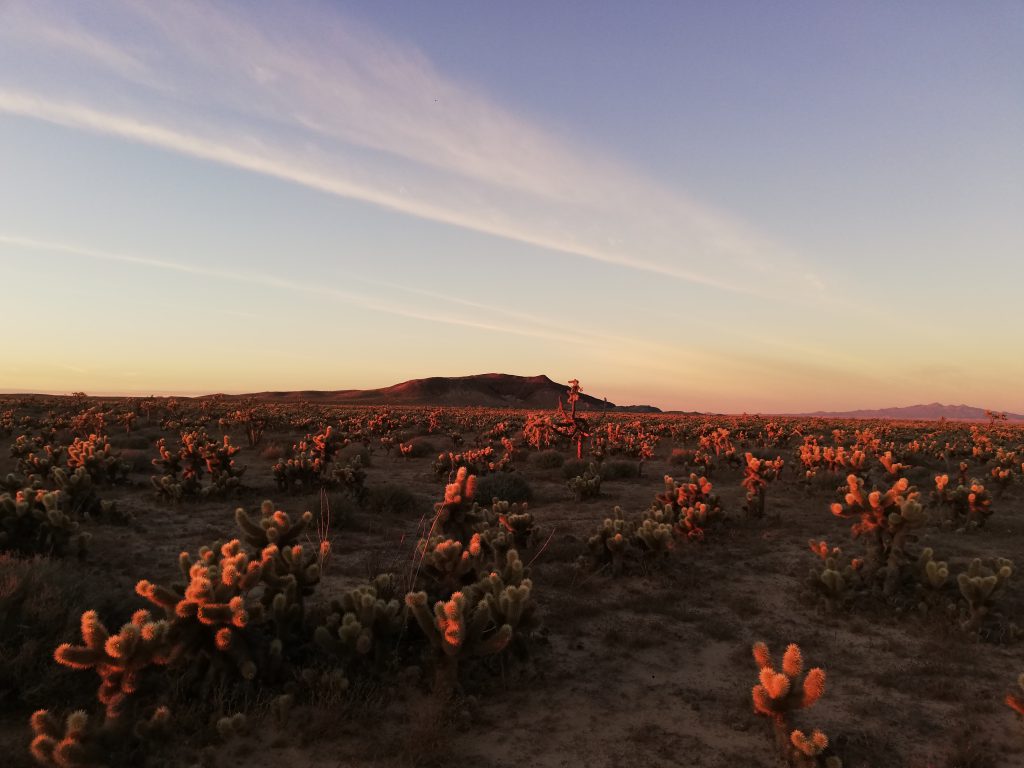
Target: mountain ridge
column 927, row 412
column 494, row 390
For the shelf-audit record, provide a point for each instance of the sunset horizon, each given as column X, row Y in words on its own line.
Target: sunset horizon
column 768, row 210
column 406, row 384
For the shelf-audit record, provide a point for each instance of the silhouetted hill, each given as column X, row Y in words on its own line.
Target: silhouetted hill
column 492, row 390
column 932, row 412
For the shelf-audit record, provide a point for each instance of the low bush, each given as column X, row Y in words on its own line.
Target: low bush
column 549, row 459
column 395, row 499
column 41, row 604
column 506, row 486
column 619, row 469
column 574, row 468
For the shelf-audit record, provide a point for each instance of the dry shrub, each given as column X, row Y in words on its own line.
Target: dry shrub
column 273, row 451
column 549, row 459
column 395, row 499
column 41, row 604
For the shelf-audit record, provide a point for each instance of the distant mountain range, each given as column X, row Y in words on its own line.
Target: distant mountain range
column 490, row 390
column 503, row 390
column 930, row 412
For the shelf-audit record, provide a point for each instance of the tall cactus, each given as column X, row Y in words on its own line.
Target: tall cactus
column 120, row 658
column 779, row 693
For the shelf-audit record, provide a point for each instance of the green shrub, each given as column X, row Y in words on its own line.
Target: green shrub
column 619, row 469
column 41, row 604
column 132, row 441
column 395, row 499
column 139, row 460
column 574, row 468
column 346, row 454
column 507, row 486
column 549, row 459
column 339, row 511
column 273, row 451
column 422, row 448
column 681, row 457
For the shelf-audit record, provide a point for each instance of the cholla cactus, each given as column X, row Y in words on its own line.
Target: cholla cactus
column 656, row 540
column 350, row 478
column 210, row 613
column 450, row 563
column 587, row 485
column 1002, row 477
column 757, row 474
column 516, row 521
column 509, row 599
column 979, row 504
column 1014, row 702
column 81, row 742
column 96, row 456
column 289, row 575
column 810, row 751
column 778, row 694
column 72, row 746
column 35, row 456
column 837, row 583
column 273, row 527
column 79, row 492
column 459, row 628
column 118, row 659
column 979, row 585
column 33, row 522
column 362, row 624
column 942, row 496
column 886, row 519
column 612, row 541
column 457, row 515
column 183, row 470
column 688, row 507
column 478, row 461
column 931, row 573
column 892, row 467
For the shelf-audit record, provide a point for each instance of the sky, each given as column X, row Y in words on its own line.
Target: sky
column 735, row 206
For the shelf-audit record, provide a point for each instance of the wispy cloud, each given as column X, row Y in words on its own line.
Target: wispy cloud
column 271, row 281
column 308, row 96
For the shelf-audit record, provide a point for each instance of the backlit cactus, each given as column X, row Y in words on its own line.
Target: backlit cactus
column 450, row 563
column 79, row 492
column 98, row 459
column 82, row 741
column 34, row 522
column 612, row 542
column 1015, row 702
column 198, row 457
column 362, row 623
column 980, row 585
column 587, row 485
column 655, row 539
column 779, row 693
column 458, row 628
column 211, row 611
column 757, row 474
column 273, row 527
column 885, row 521
column 118, row 659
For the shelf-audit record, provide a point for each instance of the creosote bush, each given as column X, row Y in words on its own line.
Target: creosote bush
column 507, row 486
column 547, row 459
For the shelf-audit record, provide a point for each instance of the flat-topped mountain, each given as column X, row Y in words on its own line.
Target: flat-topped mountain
column 932, row 411
column 491, row 390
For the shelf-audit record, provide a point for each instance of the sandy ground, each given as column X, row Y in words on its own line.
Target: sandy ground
column 650, row 669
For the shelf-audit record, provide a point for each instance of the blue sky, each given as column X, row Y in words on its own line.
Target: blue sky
column 729, row 206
